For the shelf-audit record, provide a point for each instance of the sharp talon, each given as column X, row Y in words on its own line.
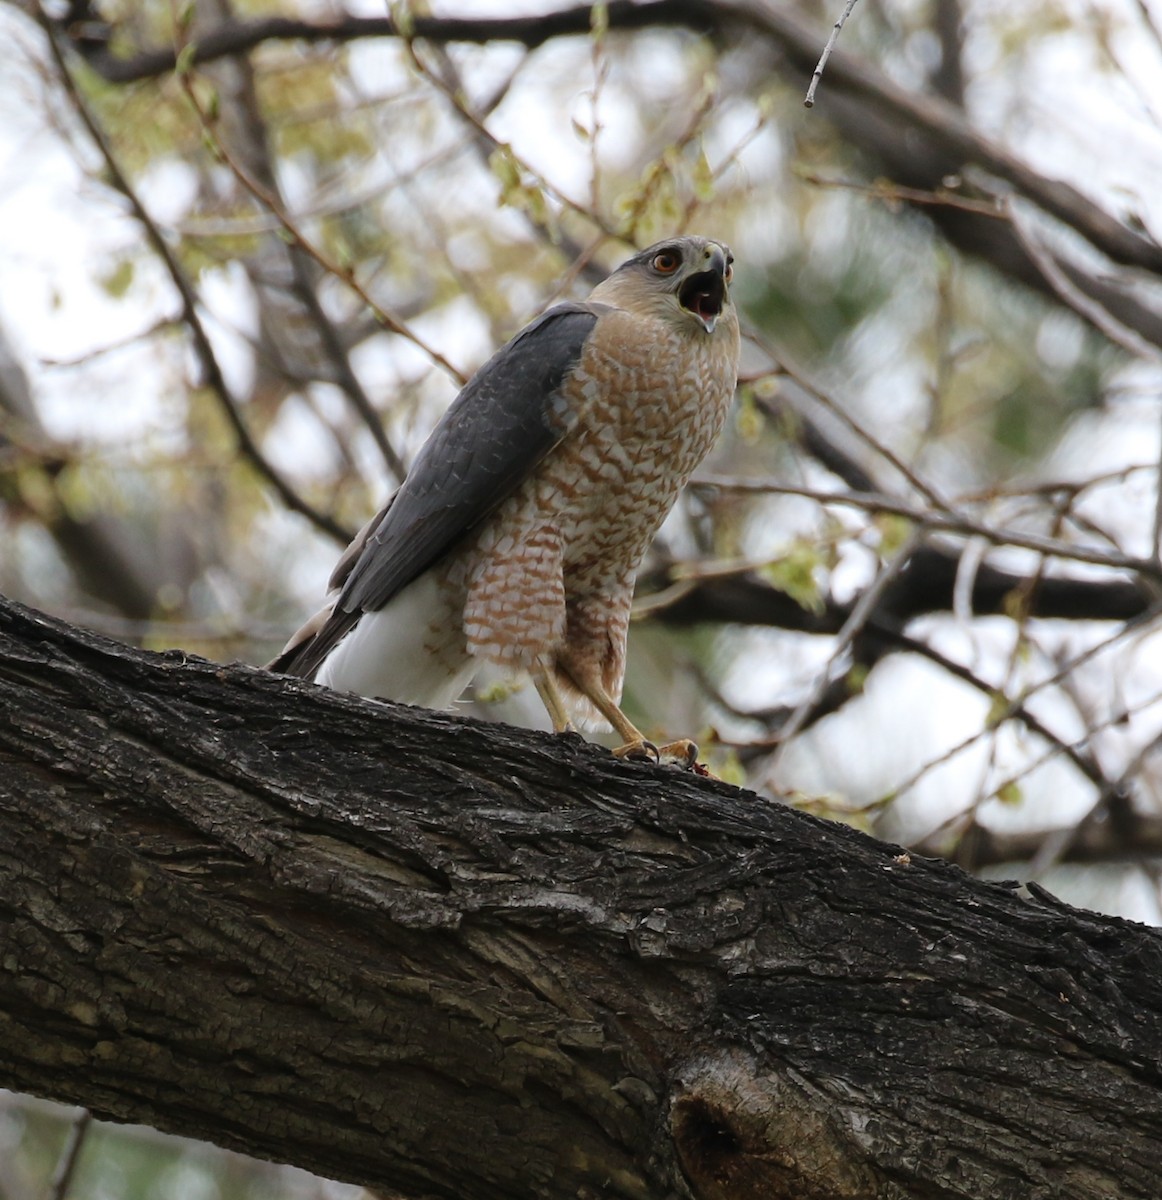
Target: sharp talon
column 642, row 751
column 683, row 753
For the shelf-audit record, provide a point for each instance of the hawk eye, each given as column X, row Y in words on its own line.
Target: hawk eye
column 667, row 262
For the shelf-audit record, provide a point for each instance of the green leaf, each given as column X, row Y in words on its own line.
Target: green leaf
column 1009, row 793
column 1000, row 708
column 749, row 419
column 729, row 768
column 403, row 18
column 36, row 492
column 856, row 678
column 117, row 281
column 503, row 164
column 498, row 691
column 794, row 573
column 342, row 252
column 702, row 178
column 894, row 532
column 185, row 60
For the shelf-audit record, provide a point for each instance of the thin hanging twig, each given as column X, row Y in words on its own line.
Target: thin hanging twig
column 821, row 65
column 66, row 1166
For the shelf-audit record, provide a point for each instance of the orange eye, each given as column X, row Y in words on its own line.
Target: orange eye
column 667, row 262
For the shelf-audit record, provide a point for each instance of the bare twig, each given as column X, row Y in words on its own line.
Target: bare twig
column 948, row 78
column 1094, row 312
column 599, row 65
column 1074, row 752
column 1088, row 841
column 321, row 206
column 161, row 325
column 821, row 65
column 1011, row 708
column 66, row 1166
column 1148, row 20
column 784, row 366
column 894, row 193
column 855, row 623
column 1133, row 343
column 481, row 130
column 345, row 375
column 270, row 202
column 246, row 121
column 955, row 522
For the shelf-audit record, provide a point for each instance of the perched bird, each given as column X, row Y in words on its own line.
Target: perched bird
column 518, row 532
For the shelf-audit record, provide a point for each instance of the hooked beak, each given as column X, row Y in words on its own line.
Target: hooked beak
column 704, row 293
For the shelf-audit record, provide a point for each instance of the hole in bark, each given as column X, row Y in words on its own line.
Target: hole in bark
column 707, row 1141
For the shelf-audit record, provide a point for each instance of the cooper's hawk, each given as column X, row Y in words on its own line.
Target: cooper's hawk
column 518, row 531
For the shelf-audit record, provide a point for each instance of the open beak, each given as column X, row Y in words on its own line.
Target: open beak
column 704, row 293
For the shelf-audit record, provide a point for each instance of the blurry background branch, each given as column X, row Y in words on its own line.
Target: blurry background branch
column 214, row 377
column 879, row 116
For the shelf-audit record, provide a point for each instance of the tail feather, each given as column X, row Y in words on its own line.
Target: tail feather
column 309, row 645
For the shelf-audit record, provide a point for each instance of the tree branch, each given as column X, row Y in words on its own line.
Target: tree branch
column 341, row 934
column 214, row 379
column 935, row 118
column 925, row 586
column 240, row 36
column 242, row 124
column 102, row 549
column 1126, row 837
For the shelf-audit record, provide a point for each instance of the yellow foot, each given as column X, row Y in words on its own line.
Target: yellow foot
column 682, row 753
column 638, row 751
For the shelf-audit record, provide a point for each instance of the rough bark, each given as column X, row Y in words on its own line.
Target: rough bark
column 459, row 960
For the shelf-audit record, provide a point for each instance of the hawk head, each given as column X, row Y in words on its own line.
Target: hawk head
column 685, row 280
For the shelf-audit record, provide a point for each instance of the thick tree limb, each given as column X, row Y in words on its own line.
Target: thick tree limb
column 460, row 960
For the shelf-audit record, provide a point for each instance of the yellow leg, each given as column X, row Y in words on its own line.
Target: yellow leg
column 683, row 752
column 550, row 695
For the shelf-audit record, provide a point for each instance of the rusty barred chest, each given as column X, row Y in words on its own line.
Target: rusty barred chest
column 657, row 414
column 647, row 411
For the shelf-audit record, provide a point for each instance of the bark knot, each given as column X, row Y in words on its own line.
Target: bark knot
column 747, row 1134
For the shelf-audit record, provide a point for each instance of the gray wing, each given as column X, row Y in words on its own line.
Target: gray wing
column 501, row 425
